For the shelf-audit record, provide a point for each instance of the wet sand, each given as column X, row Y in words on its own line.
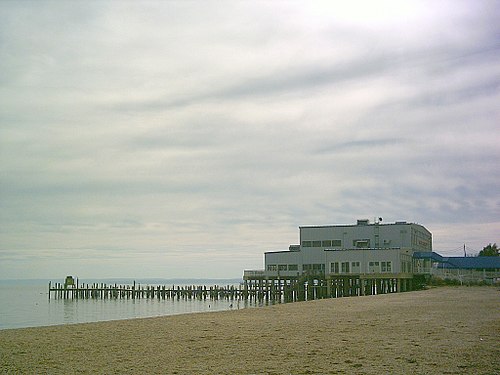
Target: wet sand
column 445, row 330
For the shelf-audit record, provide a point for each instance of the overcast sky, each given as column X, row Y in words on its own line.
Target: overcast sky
column 185, row 139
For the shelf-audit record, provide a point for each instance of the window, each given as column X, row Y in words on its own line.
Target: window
column 386, row 266
column 337, row 243
column 374, row 267
column 316, row 244
column 334, row 267
column 331, row 243
column 306, row 243
column 345, row 267
column 318, row 267
column 282, row 267
column 272, row 267
column 355, row 267
column 405, row 266
column 293, row 267
column 361, row 243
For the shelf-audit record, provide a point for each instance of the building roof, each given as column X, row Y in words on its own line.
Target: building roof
column 360, row 223
column 461, row 262
column 475, row 262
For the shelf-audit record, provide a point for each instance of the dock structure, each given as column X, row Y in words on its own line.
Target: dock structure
column 137, row 291
column 306, row 287
column 256, row 288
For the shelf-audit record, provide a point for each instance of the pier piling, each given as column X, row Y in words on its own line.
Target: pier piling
column 256, row 289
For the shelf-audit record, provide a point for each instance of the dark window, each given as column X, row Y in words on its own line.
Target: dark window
column 361, row 243
column 345, row 267
column 334, row 267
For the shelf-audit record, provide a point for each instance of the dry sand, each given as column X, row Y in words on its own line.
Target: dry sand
column 446, row 330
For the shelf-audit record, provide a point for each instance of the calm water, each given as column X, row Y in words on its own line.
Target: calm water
column 25, row 303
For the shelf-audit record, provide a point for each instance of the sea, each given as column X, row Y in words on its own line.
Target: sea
column 26, row 303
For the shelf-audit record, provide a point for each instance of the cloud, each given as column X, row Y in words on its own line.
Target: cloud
column 196, row 137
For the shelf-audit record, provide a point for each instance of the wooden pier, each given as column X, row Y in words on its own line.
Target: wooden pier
column 137, row 291
column 257, row 288
column 317, row 286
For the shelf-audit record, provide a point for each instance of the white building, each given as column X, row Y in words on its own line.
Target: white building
column 360, row 249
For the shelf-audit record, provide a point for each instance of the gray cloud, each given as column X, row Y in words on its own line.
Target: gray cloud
column 201, row 136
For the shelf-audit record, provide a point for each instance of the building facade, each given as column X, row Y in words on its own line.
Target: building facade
column 363, row 248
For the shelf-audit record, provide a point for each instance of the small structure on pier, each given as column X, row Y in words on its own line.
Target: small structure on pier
column 69, row 281
column 346, row 260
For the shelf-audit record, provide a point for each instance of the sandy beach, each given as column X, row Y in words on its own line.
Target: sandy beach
column 445, row 330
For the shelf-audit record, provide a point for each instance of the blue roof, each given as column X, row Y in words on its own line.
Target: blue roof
column 475, row 262
column 461, row 262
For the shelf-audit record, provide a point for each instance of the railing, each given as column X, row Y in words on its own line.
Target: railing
column 461, row 274
column 248, row 274
column 254, row 273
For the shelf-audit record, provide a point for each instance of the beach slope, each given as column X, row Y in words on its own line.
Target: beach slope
column 445, row 330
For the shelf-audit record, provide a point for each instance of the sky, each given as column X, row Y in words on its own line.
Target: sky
column 185, row 139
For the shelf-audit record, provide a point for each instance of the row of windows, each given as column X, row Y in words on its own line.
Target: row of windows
column 363, row 243
column 380, row 266
column 358, row 243
column 320, row 267
column 282, row 267
column 335, row 267
column 323, row 243
column 355, row 267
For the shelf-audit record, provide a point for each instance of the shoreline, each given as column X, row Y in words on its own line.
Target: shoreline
column 253, row 306
column 440, row 330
